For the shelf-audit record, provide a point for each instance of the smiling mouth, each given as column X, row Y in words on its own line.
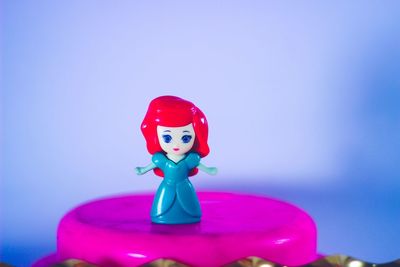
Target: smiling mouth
column 176, row 149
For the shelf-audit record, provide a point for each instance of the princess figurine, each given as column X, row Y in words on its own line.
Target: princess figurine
column 176, row 133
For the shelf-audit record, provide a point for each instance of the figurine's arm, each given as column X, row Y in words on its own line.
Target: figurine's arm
column 143, row 170
column 208, row 170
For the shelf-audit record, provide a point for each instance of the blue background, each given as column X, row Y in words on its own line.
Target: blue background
column 302, row 99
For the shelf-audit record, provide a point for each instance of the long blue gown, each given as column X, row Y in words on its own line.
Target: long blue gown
column 176, row 201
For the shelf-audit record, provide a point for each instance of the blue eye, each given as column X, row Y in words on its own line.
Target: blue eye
column 186, row 138
column 167, row 138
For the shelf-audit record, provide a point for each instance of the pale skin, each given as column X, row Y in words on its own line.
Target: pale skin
column 176, row 142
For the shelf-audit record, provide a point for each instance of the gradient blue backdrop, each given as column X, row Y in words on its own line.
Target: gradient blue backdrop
column 302, row 98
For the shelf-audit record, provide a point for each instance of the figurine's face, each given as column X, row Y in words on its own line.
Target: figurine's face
column 176, row 140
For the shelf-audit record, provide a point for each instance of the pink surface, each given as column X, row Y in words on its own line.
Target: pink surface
column 117, row 231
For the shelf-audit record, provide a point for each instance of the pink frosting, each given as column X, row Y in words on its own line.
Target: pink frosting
column 117, row 231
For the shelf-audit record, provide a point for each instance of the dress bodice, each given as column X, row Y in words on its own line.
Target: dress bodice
column 176, row 172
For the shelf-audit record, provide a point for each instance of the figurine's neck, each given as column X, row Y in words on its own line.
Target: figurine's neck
column 175, row 158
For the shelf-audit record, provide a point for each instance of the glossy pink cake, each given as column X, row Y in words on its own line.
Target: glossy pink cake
column 117, row 231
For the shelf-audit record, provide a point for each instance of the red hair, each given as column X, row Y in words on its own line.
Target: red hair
column 172, row 111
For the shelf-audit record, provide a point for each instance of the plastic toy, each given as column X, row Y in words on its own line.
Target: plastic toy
column 176, row 133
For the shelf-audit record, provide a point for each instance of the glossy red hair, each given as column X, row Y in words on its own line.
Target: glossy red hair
column 172, row 111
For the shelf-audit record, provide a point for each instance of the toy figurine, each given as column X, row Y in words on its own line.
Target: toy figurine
column 176, row 133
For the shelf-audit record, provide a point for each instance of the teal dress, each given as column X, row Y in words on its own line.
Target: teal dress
column 176, row 201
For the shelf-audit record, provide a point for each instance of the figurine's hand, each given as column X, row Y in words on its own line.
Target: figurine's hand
column 212, row 170
column 139, row 170
column 143, row 170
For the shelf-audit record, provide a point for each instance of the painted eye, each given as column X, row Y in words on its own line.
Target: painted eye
column 167, row 138
column 186, row 138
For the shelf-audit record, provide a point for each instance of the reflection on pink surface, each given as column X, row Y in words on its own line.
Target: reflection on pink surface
column 118, row 232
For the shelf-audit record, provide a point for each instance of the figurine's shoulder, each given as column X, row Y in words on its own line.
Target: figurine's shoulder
column 193, row 158
column 159, row 158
